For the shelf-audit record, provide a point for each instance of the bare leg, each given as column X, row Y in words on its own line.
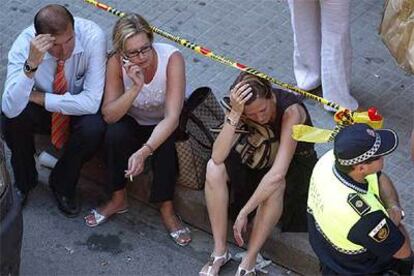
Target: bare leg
column 117, row 203
column 171, row 221
column 168, row 215
column 217, row 199
column 267, row 215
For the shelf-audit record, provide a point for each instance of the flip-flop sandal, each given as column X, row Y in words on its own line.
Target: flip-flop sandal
column 214, row 259
column 98, row 218
column 180, row 233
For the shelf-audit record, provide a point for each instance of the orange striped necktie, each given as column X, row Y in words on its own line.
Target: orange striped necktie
column 60, row 122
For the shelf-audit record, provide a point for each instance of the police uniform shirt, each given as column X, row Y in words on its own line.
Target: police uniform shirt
column 374, row 231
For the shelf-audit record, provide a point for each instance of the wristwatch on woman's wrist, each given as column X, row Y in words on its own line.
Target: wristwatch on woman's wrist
column 231, row 121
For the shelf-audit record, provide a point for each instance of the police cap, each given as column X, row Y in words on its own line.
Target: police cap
column 357, row 143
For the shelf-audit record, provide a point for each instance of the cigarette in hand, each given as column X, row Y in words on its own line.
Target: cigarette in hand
column 131, row 178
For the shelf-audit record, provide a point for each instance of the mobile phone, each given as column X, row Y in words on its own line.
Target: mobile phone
column 124, row 60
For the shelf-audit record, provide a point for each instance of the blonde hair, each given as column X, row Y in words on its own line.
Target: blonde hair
column 128, row 26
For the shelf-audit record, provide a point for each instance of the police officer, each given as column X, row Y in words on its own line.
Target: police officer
column 354, row 214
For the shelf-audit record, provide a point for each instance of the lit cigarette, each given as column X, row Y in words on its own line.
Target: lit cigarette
column 131, row 178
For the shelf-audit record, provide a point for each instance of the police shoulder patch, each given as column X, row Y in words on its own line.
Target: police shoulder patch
column 358, row 204
column 380, row 232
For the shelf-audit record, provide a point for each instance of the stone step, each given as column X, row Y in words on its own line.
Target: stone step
column 291, row 250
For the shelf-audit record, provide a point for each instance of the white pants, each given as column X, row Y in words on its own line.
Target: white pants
column 322, row 48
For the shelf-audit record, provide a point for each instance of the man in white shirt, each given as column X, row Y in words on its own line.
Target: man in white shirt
column 34, row 96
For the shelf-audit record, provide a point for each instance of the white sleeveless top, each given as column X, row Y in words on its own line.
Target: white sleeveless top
column 148, row 106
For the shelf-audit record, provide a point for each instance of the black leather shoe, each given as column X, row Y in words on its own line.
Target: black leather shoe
column 68, row 206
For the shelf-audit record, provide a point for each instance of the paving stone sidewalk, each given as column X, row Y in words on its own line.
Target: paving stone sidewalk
column 258, row 33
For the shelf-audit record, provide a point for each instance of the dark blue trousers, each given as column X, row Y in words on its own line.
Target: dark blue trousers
column 86, row 135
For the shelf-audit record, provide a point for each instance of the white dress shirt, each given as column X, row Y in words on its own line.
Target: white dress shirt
column 84, row 72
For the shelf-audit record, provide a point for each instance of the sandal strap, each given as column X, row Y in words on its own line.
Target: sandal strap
column 183, row 232
column 213, row 259
column 242, row 271
column 99, row 218
column 176, row 234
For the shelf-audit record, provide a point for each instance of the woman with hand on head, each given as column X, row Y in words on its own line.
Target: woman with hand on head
column 144, row 94
column 262, row 190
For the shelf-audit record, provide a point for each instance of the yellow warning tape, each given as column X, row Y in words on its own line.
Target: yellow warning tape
column 342, row 117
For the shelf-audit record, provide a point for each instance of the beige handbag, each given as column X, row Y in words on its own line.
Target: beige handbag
column 257, row 149
column 256, row 143
column 397, row 31
column 201, row 112
column 191, row 165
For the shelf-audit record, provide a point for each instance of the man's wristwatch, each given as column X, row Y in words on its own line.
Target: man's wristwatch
column 400, row 209
column 28, row 69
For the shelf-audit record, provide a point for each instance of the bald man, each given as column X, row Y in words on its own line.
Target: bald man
column 55, row 80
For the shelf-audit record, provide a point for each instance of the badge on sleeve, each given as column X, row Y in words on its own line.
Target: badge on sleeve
column 358, row 204
column 380, row 232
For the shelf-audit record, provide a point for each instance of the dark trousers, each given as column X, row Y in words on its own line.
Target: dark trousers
column 244, row 181
column 86, row 134
column 396, row 267
column 124, row 138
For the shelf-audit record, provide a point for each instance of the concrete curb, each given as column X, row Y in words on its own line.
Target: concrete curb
column 291, row 250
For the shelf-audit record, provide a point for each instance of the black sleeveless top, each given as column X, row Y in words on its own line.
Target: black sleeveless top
column 285, row 99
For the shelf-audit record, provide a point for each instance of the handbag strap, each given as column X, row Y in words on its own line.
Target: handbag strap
column 196, row 98
column 202, row 127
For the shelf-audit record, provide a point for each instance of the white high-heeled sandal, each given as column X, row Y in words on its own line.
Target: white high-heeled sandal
column 244, row 272
column 213, row 259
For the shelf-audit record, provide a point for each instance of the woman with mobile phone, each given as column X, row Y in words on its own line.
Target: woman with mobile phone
column 144, row 94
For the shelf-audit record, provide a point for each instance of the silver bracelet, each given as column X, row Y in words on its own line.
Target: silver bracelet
column 149, row 147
